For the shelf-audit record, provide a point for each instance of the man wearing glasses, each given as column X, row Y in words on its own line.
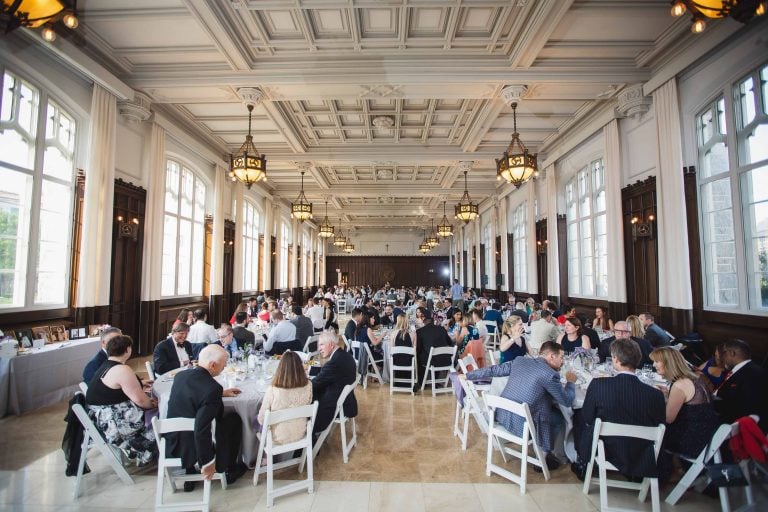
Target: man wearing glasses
column 621, row 332
column 227, row 340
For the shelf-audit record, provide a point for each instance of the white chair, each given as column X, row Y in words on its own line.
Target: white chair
column 433, row 370
column 150, row 370
column 269, row 449
column 492, row 338
column 466, row 362
column 173, row 469
column 92, row 439
column 307, row 345
column 711, row 453
column 341, row 420
column 655, row 434
column 492, row 357
column 528, row 440
column 411, row 368
column 83, row 388
column 341, row 306
column 373, row 369
column 472, row 406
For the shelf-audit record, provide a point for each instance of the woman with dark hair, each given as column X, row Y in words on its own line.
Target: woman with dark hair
column 330, row 315
column 602, row 321
column 264, row 313
column 185, row 316
column 573, row 337
column 290, row 388
column 714, row 369
column 454, row 325
column 116, row 403
column 242, row 307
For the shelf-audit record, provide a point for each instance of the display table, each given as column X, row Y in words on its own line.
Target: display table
column 44, row 376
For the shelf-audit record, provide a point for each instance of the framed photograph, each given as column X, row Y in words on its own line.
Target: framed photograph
column 42, row 332
column 10, row 333
column 93, row 331
column 25, row 333
column 77, row 333
column 58, row 333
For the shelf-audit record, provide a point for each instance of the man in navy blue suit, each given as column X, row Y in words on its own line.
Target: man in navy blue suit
column 101, row 356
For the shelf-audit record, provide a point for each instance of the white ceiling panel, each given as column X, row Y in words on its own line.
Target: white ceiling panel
column 151, row 33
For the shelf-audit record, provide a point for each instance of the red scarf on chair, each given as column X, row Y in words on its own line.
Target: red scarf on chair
column 750, row 442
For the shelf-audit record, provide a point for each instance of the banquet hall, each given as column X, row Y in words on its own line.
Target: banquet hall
column 165, row 155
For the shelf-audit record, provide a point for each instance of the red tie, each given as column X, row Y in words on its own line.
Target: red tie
column 727, row 376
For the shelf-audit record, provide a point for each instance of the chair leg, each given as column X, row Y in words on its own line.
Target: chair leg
column 603, row 478
column 206, row 495
column 81, row 464
column 690, row 476
column 646, row 484
column 655, row 505
column 524, row 461
column 465, row 432
column 259, row 455
column 270, row 481
column 344, row 452
column 160, row 483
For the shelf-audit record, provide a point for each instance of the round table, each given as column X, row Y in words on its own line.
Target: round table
column 246, row 405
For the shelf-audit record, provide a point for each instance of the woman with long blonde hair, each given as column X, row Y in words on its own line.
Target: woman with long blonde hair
column 635, row 326
column 512, row 343
column 403, row 338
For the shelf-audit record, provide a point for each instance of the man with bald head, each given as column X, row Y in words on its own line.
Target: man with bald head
column 621, row 332
column 196, row 394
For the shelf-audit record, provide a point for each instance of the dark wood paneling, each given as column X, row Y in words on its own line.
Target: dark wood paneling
column 77, row 236
column 466, row 268
column 541, row 258
column 483, row 270
column 157, row 319
column 273, row 260
column 641, row 252
column 562, row 238
column 408, row 270
column 510, row 262
column 497, row 255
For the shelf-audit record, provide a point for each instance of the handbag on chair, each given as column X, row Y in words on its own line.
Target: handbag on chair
column 726, row 475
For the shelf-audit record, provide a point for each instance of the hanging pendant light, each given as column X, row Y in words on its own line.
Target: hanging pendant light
column 326, row 230
column 516, row 165
column 432, row 240
column 349, row 246
column 301, row 209
column 424, row 246
column 740, row 10
column 466, row 210
column 340, row 240
column 444, row 230
column 247, row 165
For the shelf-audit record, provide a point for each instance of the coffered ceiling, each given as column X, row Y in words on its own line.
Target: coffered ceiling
column 381, row 99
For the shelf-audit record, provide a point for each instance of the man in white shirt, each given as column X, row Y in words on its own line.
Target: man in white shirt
column 200, row 331
column 542, row 330
column 315, row 312
column 283, row 330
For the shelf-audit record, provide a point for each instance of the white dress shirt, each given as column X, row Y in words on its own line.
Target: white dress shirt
column 201, row 332
column 283, row 331
column 317, row 314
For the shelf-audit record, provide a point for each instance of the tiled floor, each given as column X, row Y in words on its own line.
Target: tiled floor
column 406, row 460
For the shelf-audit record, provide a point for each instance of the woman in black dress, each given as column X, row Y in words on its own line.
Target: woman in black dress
column 330, row 315
column 403, row 338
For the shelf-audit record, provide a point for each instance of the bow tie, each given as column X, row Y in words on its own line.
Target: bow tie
column 180, row 345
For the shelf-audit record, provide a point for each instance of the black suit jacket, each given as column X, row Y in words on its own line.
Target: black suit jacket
column 623, row 399
column 349, row 330
column 744, row 393
column 304, row 328
column 386, row 320
column 339, row 371
column 429, row 336
column 165, row 355
column 243, row 336
column 604, row 350
column 195, row 394
column 656, row 336
column 94, row 364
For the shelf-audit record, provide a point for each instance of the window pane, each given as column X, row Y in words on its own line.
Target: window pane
column 754, row 145
column 764, row 82
column 746, row 100
column 198, row 250
column 185, row 256
column 15, row 200
column 172, row 187
column 169, row 256
column 187, row 193
column 59, row 144
column 755, row 200
column 716, row 195
column 18, row 121
column 714, row 160
column 705, row 127
column 53, row 253
column 199, row 201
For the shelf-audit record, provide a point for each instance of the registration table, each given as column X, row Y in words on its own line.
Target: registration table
column 44, row 376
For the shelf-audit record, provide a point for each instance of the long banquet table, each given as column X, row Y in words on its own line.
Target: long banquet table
column 44, row 376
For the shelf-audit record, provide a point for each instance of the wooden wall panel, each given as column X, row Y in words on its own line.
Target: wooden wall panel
column 376, row 270
column 641, row 252
column 541, row 258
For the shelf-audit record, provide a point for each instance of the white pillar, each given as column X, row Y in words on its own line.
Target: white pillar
column 530, row 237
column 617, row 280
column 217, row 245
column 492, row 271
column 553, row 251
column 478, row 237
column 96, row 248
column 503, row 230
column 239, row 264
column 675, row 272
column 269, row 220
column 462, row 258
column 293, row 277
column 151, row 273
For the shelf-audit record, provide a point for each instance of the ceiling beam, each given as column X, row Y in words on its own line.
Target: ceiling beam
column 209, row 17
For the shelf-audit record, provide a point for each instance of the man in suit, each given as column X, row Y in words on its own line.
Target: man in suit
column 494, row 315
column 398, row 309
column 97, row 360
column 174, row 351
column 655, row 335
column 304, row 327
column 745, row 388
column 428, row 336
column 227, row 339
column 339, row 371
column 242, row 335
column 388, row 318
column 621, row 332
column 351, row 327
column 253, row 307
column 196, row 394
column 622, row 399
column 535, row 381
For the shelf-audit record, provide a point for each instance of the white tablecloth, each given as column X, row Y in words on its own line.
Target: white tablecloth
column 44, row 376
column 246, row 405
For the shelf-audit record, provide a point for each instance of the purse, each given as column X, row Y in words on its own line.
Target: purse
column 726, row 475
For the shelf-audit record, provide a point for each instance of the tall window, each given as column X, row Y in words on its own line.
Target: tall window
column 285, row 239
column 587, row 228
column 519, row 259
column 732, row 140
column 37, row 141
column 183, row 232
column 250, row 246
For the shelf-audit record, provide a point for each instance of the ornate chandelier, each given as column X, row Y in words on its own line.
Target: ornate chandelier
column 326, row 230
column 301, row 209
column 247, row 165
column 38, row 13
column 349, row 246
column 340, row 240
column 424, row 246
column 432, row 240
column 740, row 10
column 444, row 230
column 516, row 165
column 466, row 210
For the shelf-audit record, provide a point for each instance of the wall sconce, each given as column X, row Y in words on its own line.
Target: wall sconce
column 541, row 248
column 643, row 227
column 128, row 228
column 228, row 246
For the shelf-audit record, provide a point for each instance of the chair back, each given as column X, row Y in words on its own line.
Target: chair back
column 492, row 357
column 349, row 388
column 607, row 429
column 494, row 402
column 410, row 351
column 442, row 351
column 308, row 345
column 490, row 323
column 466, row 362
column 150, row 370
column 83, row 388
column 271, row 418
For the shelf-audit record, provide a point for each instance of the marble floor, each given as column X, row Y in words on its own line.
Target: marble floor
column 406, row 460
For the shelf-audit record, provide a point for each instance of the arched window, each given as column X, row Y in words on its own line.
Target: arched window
column 183, row 232
column 37, row 137
column 518, row 248
column 251, row 227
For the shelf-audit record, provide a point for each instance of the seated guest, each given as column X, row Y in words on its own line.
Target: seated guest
column 573, row 337
column 510, row 305
column 282, row 331
column 569, row 311
column 388, row 318
column 622, row 399
column 174, row 351
column 242, row 335
column 655, row 335
column 403, row 338
column 290, row 388
column 535, row 381
column 351, row 327
column 242, row 307
column 512, row 343
column 542, row 330
column 185, row 316
column 602, row 321
column 116, row 402
column 691, row 416
column 454, row 325
column 327, row 386
column 304, row 327
column 621, row 331
column 520, row 311
column 743, row 392
column 635, row 326
column 398, row 309
column 101, row 356
column 264, row 313
column 594, row 338
column 316, row 313
column 365, row 333
column 196, row 394
column 428, row 336
column 200, row 331
column 714, row 369
column 494, row 314
column 477, row 320
column 469, row 342
column 227, row 339
column 253, row 307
